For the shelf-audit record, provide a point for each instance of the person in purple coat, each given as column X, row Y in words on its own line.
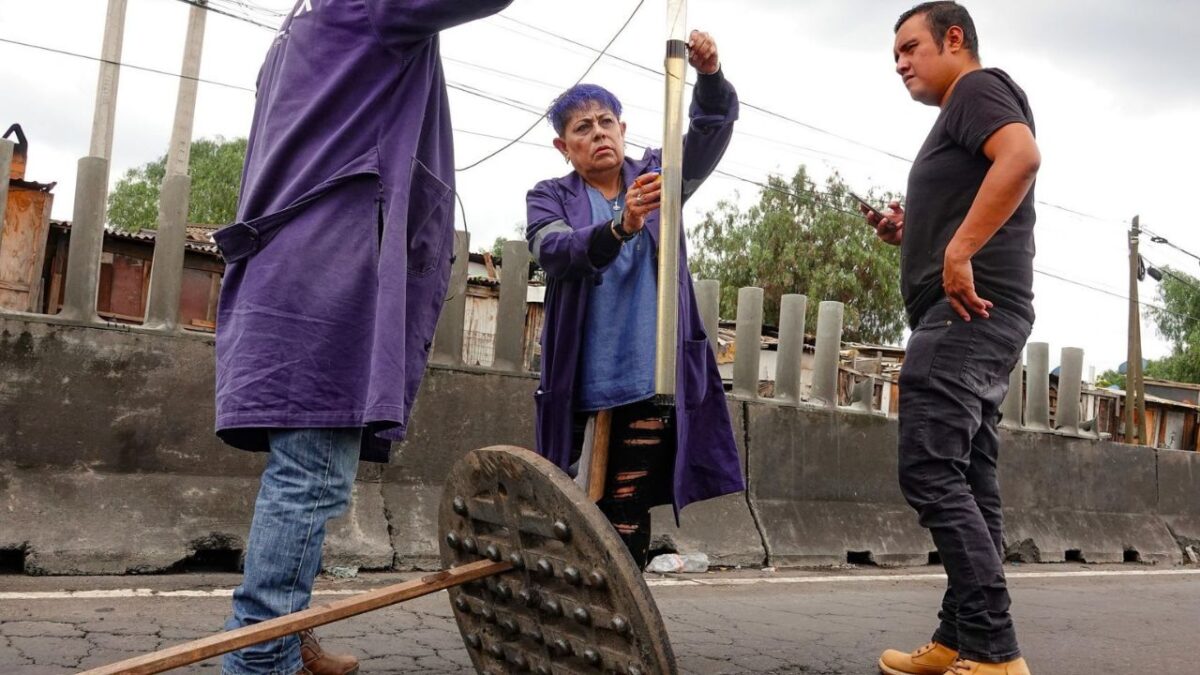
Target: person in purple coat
column 595, row 232
column 336, row 271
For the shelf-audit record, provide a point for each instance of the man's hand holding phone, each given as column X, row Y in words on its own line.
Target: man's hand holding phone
column 889, row 227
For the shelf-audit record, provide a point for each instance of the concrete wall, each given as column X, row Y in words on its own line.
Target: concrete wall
column 108, row 465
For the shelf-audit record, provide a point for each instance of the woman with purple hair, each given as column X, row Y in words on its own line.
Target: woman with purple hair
column 595, row 231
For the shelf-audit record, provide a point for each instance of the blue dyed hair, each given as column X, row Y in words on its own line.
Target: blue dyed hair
column 577, row 97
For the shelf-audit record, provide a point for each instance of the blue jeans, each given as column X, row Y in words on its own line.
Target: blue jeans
column 307, row 481
column 953, row 380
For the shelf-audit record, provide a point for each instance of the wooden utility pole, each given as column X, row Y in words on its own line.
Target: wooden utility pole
column 1135, row 392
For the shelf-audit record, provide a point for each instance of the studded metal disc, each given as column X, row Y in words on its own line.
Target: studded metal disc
column 573, row 602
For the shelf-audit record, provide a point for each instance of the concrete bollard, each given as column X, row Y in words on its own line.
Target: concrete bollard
column 862, row 395
column 87, row 241
column 510, row 322
column 6, row 155
column 829, row 348
column 1070, row 377
column 792, row 309
column 166, row 272
column 1037, row 387
column 708, row 299
column 1010, row 410
column 448, row 340
column 748, row 342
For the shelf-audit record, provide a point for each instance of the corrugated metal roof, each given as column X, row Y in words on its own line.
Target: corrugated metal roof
column 199, row 237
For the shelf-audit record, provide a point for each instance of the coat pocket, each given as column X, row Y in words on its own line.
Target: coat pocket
column 430, row 208
column 695, row 370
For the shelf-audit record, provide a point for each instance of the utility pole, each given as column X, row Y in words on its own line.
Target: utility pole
column 1135, row 392
column 166, row 272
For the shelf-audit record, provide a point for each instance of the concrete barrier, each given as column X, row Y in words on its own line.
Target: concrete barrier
column 1179, row 495
column 723, row 528
column 108, row 465
column 457, row 411
column 1079, row 500
column 823, row 485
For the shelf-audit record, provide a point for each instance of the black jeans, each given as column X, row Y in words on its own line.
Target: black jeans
column 641, row 461
column 953, row 380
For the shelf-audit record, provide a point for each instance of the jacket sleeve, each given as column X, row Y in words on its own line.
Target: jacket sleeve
column 400, row 23
column 713, row 111
column 563, row 251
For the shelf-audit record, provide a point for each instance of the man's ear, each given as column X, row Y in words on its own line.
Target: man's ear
column 954, row 39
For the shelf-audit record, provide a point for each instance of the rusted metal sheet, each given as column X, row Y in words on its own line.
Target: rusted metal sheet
column 23, row 236
column 573, row 602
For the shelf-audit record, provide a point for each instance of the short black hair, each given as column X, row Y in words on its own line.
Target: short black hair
column 940, row 16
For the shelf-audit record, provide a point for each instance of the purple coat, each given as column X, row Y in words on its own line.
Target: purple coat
column 338, row 264
column 560, row 229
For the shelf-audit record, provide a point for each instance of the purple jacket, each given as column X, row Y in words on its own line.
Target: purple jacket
column 338, row 264
column 559, row 232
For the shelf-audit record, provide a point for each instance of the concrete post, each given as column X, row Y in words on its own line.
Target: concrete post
column 829, row 347
column 1037, row 387
column 792, row 309
column 104, row 117
column 862, row 395
column 510, row 323
column 1070, row 376
column 6, row 154
column 708, row 298
column 166, row 272
column 1010, row 410
column 748, row 347
column 448, row 340
column 87, row 241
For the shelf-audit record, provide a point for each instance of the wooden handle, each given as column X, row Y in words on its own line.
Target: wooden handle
column 598, row 468
column 221, row 643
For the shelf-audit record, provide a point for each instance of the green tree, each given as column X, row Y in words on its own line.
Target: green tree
column 1178, row 323
column 216, row 169
column 796, row 240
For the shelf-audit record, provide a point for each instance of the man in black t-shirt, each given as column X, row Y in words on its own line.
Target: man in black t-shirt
column 967, row 251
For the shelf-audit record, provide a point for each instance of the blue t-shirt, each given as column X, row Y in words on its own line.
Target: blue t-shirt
column 616, row 366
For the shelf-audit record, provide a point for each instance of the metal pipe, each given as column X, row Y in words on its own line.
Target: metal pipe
column 672, row 202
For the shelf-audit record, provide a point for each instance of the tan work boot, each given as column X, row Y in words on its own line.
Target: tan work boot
column 965, row 667
column 932, row 659
column 318, row 662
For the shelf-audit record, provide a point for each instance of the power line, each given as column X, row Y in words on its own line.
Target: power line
column 209, row 7
column 1115, row 295
column 124, row 65
column 1159, row 239
column 1190, row 283
column 533, row 126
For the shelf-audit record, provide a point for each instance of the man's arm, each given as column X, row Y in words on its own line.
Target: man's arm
column 1015, row 162
column 400, row 23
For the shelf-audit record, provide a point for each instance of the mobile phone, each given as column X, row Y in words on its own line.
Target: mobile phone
column 867, row 205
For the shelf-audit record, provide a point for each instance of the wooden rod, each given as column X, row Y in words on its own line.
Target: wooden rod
column 221, row 643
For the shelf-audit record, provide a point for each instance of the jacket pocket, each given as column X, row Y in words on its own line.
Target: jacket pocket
column 430, row 207
column 695, row 369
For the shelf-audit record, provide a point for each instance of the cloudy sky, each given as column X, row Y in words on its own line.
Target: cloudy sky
column 1113, row 84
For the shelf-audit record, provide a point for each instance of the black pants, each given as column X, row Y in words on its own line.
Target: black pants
column 641, row 462
column 953, row 380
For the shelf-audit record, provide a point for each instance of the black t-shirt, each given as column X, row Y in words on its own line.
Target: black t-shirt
column 942, row 186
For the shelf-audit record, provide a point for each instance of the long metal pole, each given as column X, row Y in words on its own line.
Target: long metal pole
column 672, row 202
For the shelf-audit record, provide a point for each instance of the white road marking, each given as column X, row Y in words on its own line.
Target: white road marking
column 123, row 593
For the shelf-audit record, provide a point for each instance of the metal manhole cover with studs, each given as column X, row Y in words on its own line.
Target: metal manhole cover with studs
column 573, row 600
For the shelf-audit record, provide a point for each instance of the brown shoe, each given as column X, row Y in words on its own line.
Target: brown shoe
column 932, row 659
column 318, row 662
column 965, row 667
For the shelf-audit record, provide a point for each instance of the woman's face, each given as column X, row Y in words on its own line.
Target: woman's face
column 593, row 139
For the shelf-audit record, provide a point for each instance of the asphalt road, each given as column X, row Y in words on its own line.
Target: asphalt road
column 1072, row 620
